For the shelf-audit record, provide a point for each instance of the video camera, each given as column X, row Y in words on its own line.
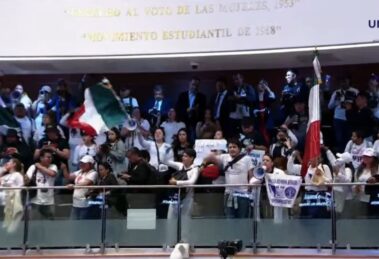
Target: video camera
column 227, row 248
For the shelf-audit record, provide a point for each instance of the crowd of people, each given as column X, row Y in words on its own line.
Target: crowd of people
column 156, row 146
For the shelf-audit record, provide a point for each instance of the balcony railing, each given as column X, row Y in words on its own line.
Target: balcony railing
column 204, row 225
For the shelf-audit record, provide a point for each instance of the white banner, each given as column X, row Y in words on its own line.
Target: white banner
column 282, row 190
column 256, row 156
column 204, row 147
column 130, row 27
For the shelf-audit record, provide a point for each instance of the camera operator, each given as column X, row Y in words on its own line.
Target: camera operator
column 344, row 94
column 285, row 140
column 20, row 96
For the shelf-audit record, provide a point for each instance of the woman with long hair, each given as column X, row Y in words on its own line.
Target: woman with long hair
column 113, row 151
column 180, row 143
column 87, row 147
column 206, row 129
column 11, row 175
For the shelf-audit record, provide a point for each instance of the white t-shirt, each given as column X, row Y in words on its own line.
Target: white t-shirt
column 83, row 150
column 236, row 174
column 14, row 179
column 27, row 127
column 79, row 199
column 165, row 153
column 42, row 180
column 356, row 151
column 171, row 129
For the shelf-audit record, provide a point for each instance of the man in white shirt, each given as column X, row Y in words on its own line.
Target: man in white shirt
column 43, row 173
column 356, row 146
column 238, row 169
column 171, row 126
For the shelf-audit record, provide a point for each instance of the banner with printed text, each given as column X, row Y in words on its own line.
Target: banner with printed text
column 282, row 190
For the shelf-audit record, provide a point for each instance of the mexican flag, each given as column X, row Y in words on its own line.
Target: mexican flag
column 100, row 111
column 312, row 142
column 7, row 121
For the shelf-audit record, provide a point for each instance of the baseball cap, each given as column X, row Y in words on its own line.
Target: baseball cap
column 369, row 152
column 87, row 159
column 46, row 88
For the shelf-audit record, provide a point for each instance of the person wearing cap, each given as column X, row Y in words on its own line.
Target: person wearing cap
column 55, row 143
column 85, row 176
column 42, row 105
column 44, row 173
column 361, row 117
column 368, row 168
column 340, row 97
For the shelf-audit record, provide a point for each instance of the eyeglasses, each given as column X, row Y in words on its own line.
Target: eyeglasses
column 44, row 92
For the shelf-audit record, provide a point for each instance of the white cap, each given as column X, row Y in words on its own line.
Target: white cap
column 87, row 159
column 105, row 80
column 46, row 88
column 369, row 152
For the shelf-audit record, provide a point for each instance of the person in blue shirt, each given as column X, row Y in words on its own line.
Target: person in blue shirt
column 293, row 89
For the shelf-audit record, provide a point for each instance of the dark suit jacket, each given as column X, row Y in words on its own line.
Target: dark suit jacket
column 166, row 106
column 198, row 113
column 224, row 109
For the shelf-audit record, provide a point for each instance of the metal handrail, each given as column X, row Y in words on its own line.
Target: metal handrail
column 175, row 186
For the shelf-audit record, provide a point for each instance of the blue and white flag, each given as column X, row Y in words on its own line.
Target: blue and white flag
column 282, row 190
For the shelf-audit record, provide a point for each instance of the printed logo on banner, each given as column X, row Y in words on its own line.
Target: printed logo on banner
column 256, row 156
column 282, row 190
